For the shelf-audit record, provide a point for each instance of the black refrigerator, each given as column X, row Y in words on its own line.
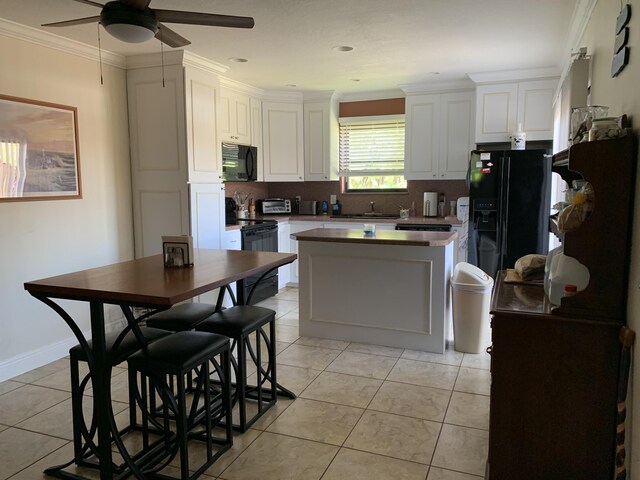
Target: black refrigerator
column 509, row 207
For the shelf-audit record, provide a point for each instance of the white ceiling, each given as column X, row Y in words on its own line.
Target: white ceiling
column 396, row 42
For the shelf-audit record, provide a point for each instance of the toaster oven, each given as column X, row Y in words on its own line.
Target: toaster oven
column 270, row 206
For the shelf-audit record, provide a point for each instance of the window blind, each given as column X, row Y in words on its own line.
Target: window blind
column 372, row 145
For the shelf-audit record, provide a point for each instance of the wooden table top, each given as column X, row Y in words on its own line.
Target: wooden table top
column 146, row 282
column 381, row 237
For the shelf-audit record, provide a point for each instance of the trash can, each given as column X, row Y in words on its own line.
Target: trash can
column 471, row 292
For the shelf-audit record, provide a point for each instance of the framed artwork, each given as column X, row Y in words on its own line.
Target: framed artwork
column 39, row 156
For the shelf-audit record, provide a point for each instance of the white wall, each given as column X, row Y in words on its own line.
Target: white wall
column 622, row 95
column 44, row 238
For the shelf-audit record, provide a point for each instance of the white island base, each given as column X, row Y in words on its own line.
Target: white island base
column 376, row 292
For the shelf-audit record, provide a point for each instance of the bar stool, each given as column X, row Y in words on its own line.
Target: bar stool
column 164, row 367
column 180, row 318
column 118, row 347
column 238, row 323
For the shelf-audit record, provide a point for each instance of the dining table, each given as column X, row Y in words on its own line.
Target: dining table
column 147, row 283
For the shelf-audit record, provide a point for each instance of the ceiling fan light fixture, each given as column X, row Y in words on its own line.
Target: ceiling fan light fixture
column 129, row 33
column 128, row 24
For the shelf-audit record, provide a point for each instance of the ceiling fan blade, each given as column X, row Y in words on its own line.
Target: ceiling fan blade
column 171, row 38
column 139, row 4
column 197, row 18
column 89, row 2
column 77, row 21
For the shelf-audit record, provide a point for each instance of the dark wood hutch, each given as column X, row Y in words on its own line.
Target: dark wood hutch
column 555, row 369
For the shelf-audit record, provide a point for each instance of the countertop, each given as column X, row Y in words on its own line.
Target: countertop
column 329, row 219
column 381, row 237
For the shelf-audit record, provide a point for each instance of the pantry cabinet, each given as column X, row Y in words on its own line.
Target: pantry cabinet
column 235, row 117
column 172, row 128
column 321, row 140
column 438, row 135
column 502, row 107
column 283, row 141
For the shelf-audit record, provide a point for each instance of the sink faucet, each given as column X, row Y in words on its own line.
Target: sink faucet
column 373, row 207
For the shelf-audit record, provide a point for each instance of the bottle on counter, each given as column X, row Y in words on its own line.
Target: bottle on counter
column 252, row 208
column 412, row 209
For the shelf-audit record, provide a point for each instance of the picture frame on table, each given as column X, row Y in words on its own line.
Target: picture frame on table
column 39, row 151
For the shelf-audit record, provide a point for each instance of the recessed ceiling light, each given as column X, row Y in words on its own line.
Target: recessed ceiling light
column 238, row 59
column 291, row 85
column 342, row 48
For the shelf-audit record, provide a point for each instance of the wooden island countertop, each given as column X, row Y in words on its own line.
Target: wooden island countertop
column 381, row 237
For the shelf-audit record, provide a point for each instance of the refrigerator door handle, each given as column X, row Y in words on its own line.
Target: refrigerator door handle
column 504, row 207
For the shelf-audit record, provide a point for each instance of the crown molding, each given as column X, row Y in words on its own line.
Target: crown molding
column 174, row 57
column 241, row 87
column 311, row 96
column 441, row 86
column 56, row 42
column 370, row 95
column 282, row 96
column 514, row 75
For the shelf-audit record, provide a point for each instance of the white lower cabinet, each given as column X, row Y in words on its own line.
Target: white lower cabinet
column 231, row 240
column 284, row 246
column 460, row 244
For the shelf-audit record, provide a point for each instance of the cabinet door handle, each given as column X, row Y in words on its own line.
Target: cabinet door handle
column 490, row 349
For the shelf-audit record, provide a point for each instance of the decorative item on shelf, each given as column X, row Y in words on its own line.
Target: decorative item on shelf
column 620, row 49
column 582, row 120
column 605, row 129
column 177, row 250
column 518, row 139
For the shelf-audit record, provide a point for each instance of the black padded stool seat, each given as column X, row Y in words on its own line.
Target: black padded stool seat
column 239, row 323
column 238, row 320
column 178, row 352
column 166, row 367
column 119, row 346
column 181, row 317
column 119, row 352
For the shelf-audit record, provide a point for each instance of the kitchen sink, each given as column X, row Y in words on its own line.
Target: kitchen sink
column 367, row 215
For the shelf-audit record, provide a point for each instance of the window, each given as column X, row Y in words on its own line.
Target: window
column 372, row 153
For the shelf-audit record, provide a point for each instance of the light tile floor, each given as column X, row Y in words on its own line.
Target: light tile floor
column 362, row 412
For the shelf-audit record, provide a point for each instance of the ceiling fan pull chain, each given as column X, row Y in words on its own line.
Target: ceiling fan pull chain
column 100, row 55
column 162, row 55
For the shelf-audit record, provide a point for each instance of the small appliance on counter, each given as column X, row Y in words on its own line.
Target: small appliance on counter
column 274, row 206
column 430, row 204
column 308, row 207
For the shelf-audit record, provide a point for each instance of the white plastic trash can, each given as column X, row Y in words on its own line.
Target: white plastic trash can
column 471, row 289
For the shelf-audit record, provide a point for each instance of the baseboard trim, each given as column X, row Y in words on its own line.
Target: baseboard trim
column 37, row 358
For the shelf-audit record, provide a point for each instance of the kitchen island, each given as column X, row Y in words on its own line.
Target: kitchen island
column 390, row 288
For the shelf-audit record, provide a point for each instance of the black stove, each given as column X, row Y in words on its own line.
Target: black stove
column 250, row 224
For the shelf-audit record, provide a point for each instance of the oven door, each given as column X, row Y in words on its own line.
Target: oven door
column 261, row 239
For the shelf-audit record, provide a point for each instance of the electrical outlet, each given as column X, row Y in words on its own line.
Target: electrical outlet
column 333, row 200
column 298, row 198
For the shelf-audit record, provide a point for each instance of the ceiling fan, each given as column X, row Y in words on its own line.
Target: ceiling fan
column 133, row 21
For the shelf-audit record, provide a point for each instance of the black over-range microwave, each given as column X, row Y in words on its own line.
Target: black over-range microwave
column 239, row 163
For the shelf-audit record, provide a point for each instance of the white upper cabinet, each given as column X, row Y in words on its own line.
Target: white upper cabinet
column 201, row 101
column 235, row 117
column 438, row 135
column 282, row 141
column 321, row 140
column 256, row 133
column 502, row 107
